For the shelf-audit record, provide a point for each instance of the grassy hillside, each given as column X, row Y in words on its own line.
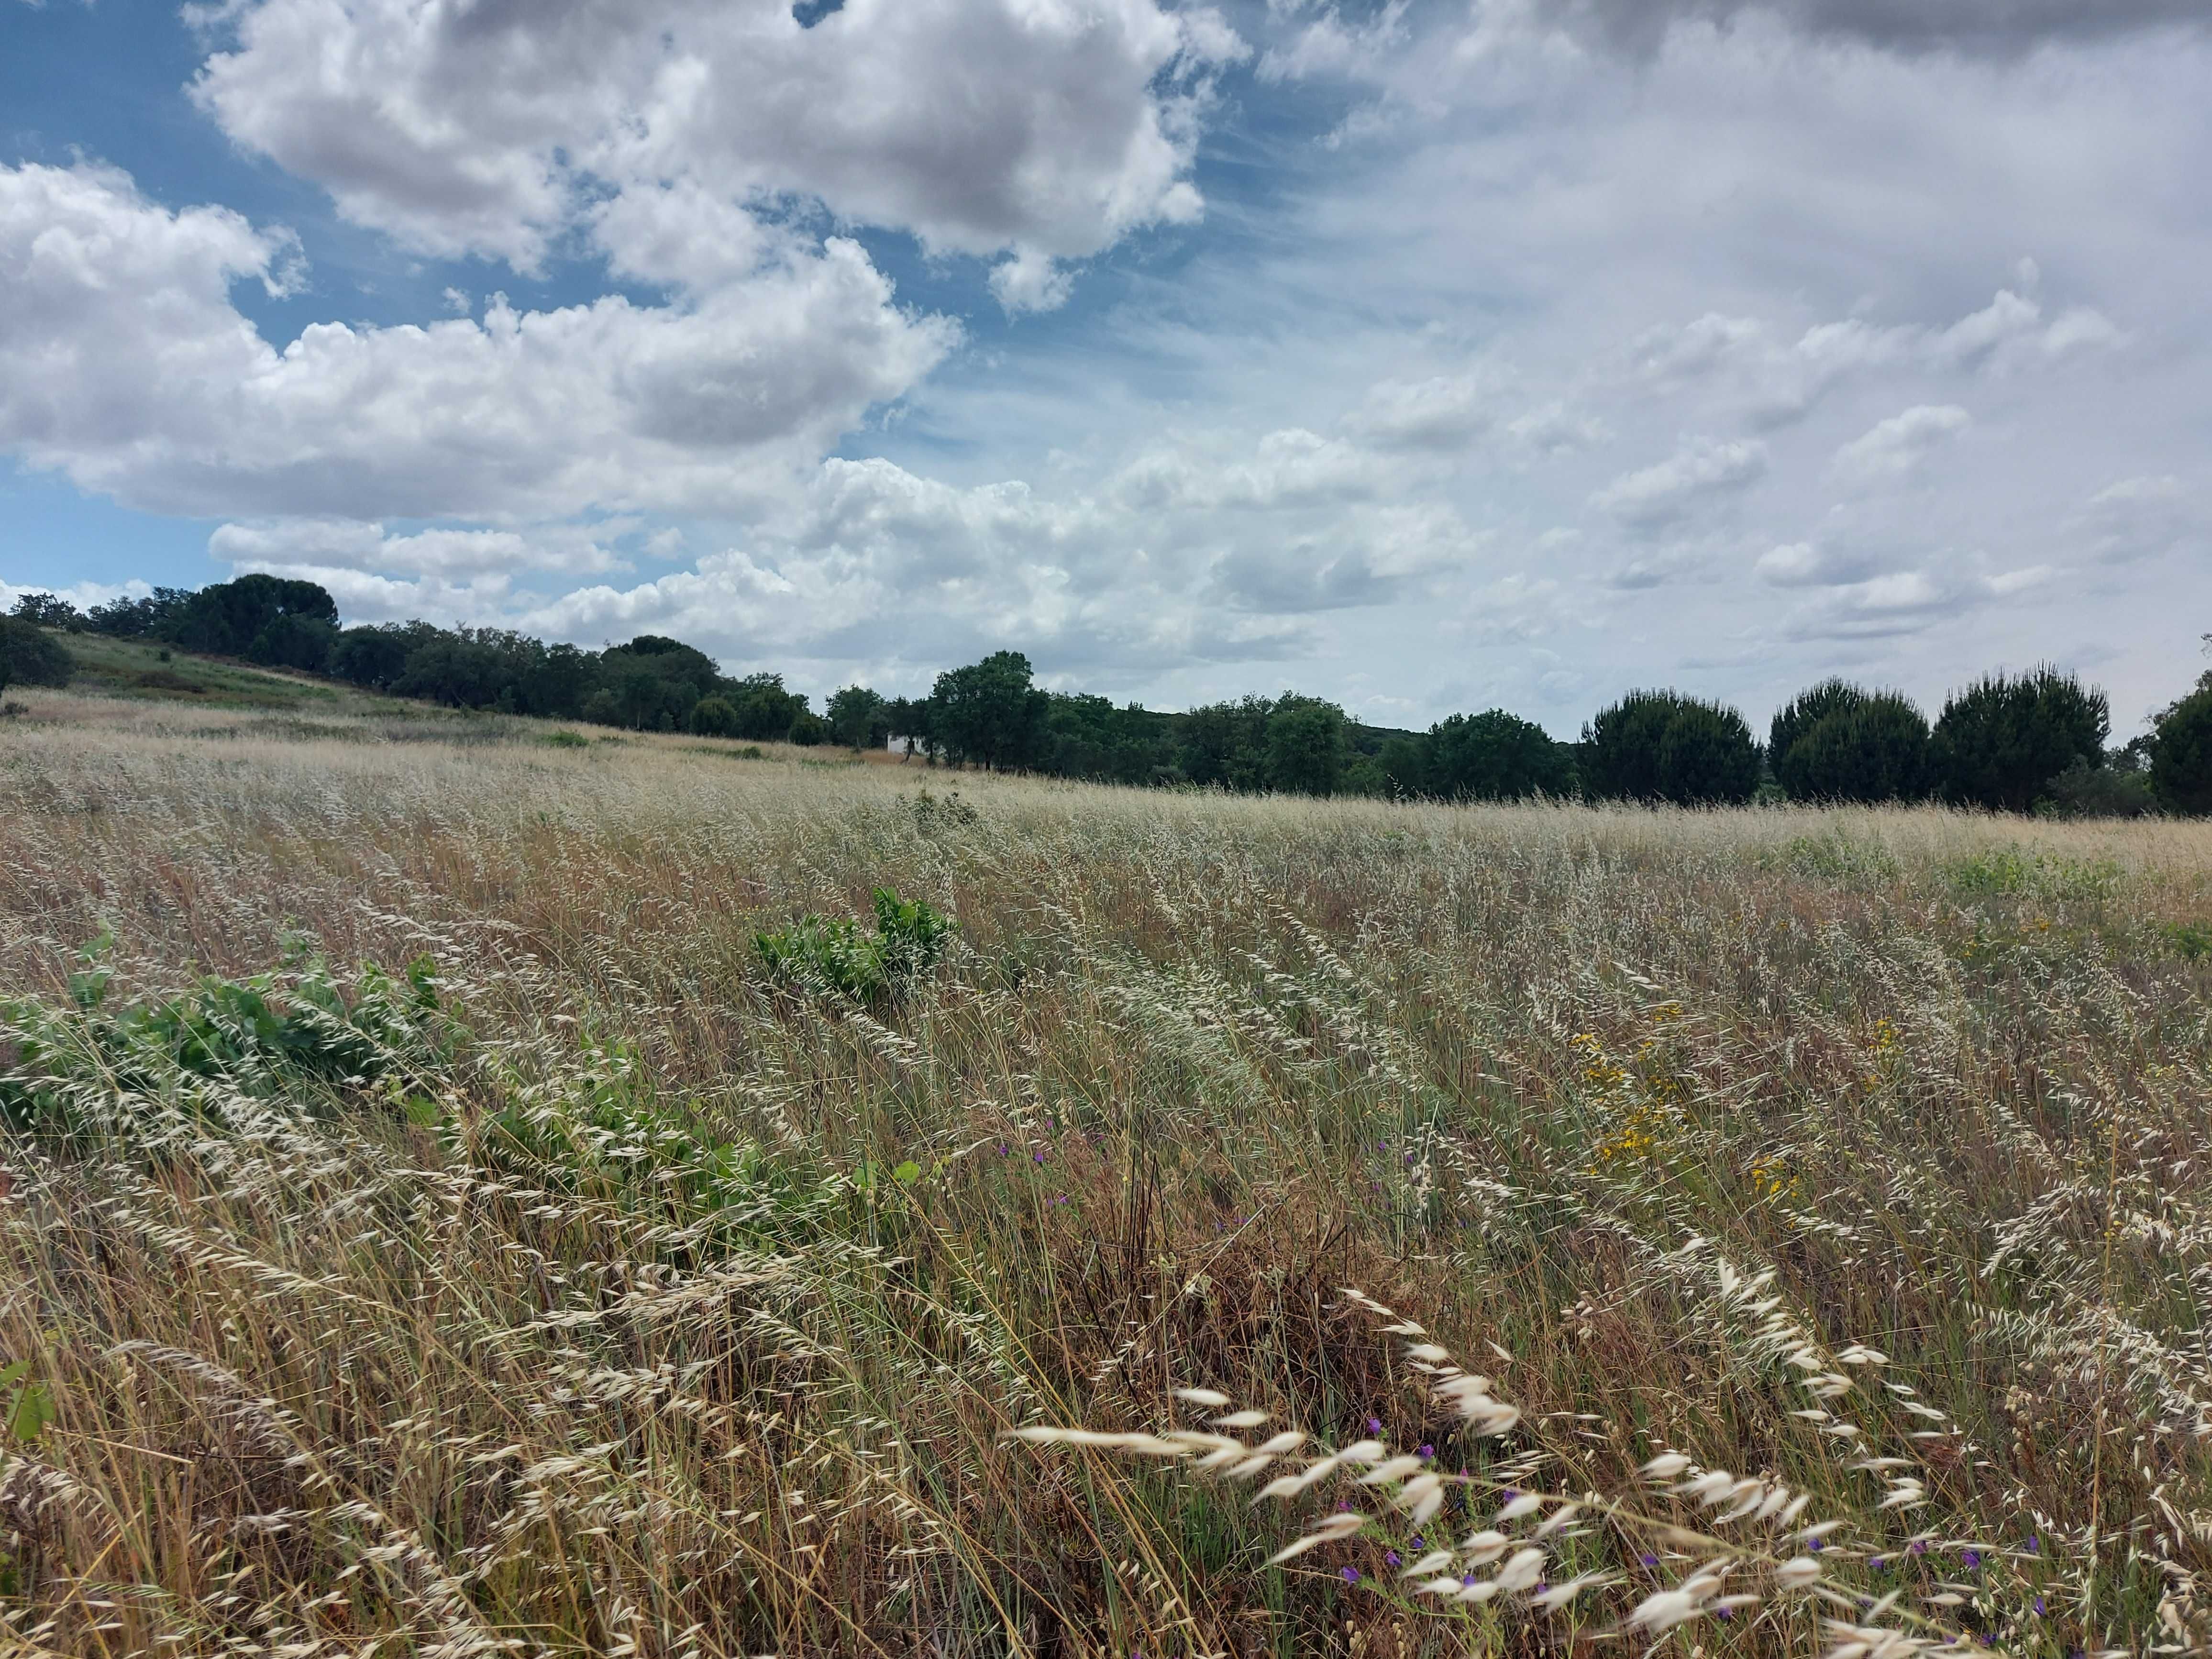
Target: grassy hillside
column 107, row 667
column 600, row 1290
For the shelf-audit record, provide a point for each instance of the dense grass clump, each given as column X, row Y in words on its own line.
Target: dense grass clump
column 1262, row 1227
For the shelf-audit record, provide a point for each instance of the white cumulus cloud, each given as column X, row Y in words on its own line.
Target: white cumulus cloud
column 124, row 366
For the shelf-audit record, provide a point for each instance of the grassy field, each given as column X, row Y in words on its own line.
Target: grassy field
column 596, row 1290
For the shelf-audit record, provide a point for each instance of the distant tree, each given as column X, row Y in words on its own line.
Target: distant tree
column 1403, row 765
column 1804, row 712
column 654, row 682
column 2181, row 753
column 375, row 656
column 228, row 618
column 1495, row 756
column 1090, row 737
column 460, row 668
column 808, row 729
column 2001, row 740
column 290, row 640
column 1305, row 746
column 141, row 617
column 31, row 656
column 714, row 717
column 1225, row 744
column 2120, row 788
column 989, row 713
column 765, row 709
column 909, row 719
column 48, row 611
column 858, row 718
column 1663, row 745
column 1871, row 747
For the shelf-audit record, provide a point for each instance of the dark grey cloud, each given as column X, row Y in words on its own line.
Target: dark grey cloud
column 1980, row 27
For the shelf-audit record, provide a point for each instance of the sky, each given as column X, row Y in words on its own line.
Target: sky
column 1427, row 357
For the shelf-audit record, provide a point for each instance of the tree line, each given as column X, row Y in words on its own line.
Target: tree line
column 2005, row 742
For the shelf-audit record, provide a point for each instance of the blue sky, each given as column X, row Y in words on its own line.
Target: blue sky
column 1425, row 356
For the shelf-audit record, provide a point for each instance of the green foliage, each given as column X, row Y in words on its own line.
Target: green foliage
column 2181, row 753
column 1089, row 736
column 1305, row 746
column 858, row 718
column 1225, row 744
column 2114, row 790
column 2006, row 871
column 935, row 813
column 1834, row 856
column 27, row 1405
column 297, row 1035
column 1494, row 757
column 291, row 641
column 601, row 1130
column 1869, row 746
column 1664, row 746
column 256, row 616
column 48, row 611
column 140, row 618
column 1806, row 710
column 565, row 738
column 765, row 711
column 2191, row 939
column 2001, row 740
column 836, row 954
column 990, row 713
column 31, row 656
column 374, row 658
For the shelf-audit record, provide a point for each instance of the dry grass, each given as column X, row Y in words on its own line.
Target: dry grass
column 672, row 1311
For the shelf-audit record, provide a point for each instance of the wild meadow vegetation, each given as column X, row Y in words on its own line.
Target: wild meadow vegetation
column 472, row 1187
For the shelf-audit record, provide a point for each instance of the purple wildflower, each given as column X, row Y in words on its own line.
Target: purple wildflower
column 1973, row 1558
column 2039, row 1607
column 1649, row 1559
column 1374, row 1426
column 1917, row 1546
column 1350, row 1575
column 1428, row 1451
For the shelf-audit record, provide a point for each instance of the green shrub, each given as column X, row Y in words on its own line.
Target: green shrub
column 836, row 954
column 2181, row 755
column 2192, row 940
column 31, row 656
column 2083, row 791
column 714, row 717
column 1834, row 856
column 297, row 1036
column 1664, row 746
column 565, row 738
column 1871, row 747
column 2001, row 740
column 2004, row 871
column 1494, row 756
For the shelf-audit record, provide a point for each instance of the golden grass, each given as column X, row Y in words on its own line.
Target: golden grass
column 489, row 1359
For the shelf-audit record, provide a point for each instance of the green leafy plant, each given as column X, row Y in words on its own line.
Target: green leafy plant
column 297, row 1034
column 30, row 1405
column 836, row 954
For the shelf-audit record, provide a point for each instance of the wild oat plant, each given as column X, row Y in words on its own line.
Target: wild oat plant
column 1261, row 1227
